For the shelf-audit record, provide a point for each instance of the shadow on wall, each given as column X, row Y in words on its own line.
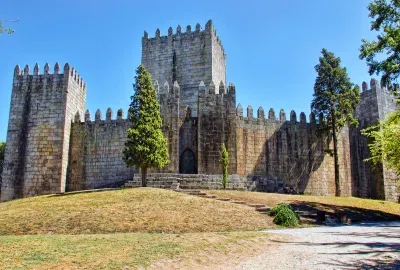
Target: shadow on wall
column 286, row 156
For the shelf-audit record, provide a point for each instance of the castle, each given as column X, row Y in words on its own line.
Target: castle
column 54, row 145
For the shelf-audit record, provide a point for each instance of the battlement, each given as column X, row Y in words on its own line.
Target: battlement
column 22, row 76
column 221, row 90
column 98, row 116
column 262, row 119
column 187, row 35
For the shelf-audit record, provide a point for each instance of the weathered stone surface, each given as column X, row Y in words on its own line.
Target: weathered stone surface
column 42, row 109
column 50, row 150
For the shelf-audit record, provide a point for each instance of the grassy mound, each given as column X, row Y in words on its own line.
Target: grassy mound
column 285, row 215
column 127, row 210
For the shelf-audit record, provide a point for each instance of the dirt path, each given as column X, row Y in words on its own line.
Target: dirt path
column 341, row 247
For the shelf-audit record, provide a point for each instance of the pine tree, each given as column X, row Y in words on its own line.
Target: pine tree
column 224, row 163
column 146, row 146
column 335, row 98
column 2, row 150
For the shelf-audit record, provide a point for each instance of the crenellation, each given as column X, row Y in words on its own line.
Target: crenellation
column 27, row 70
column 271, row 114
column 120, row 114
column 57, row 68
column 303, row 119
column 221, row 88
column 260, row 113
column 166, row 87
column 374, row 84
column 293, row 117
column 312, row 118
column 17, row 71
column 188, row 29
column 282, row 115
column 178, row 30
column 36, row 70
column 170, row 31
column 249, row 112
column 97, row 116
column 239, row 110
column 364, row 86
column 109, row 114
column 156, row 86
column 87, row 116
column 211, row 88
column 77, row 118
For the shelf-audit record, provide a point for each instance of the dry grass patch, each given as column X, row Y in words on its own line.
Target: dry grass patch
column 355, row 207
column 127, row 210
column 126, row 251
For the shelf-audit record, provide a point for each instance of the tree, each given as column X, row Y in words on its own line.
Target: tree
column 2, row 150
column 384, row 145
column 383, row 54
column 335, row 98
column 4, row 29
column 385, row 142
column 146, row 146
column 224, row 162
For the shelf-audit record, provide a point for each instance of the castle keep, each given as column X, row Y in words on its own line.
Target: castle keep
column 54, row 145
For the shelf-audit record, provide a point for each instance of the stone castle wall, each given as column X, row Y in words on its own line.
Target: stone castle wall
column 368, row 181
column 52, row 146
column 95, row 158
column 42, row 106
column 276, row 152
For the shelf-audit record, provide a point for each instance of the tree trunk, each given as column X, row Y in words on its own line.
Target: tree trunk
column 144, row 176
column 335, row 156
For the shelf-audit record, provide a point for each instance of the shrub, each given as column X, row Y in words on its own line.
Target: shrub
column 285, row 215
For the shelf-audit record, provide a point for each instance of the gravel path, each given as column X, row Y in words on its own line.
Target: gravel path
column 366, row 245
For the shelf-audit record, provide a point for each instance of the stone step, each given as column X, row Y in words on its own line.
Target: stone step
column 239, row 202
column 210, row 196
column 263, row 209
column 257, row 205
column 201, row 194
column 223, row 199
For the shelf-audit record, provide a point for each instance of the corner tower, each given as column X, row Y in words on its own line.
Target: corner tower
column 42, row 107
column 187, row 57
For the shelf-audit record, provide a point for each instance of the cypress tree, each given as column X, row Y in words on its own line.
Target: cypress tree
column 335, row 98
column 146, row 146
column 224, row 163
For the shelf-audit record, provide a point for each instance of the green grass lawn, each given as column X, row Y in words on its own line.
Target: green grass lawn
column 124, row 250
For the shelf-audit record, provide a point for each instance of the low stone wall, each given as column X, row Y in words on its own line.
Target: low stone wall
column 189, row 181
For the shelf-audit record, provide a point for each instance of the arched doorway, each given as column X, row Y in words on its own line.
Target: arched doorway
column 187, row 162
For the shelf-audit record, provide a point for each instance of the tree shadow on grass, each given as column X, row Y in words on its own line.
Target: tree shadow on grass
column 308, row 210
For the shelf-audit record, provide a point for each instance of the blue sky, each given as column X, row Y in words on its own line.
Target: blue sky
column 272, row 46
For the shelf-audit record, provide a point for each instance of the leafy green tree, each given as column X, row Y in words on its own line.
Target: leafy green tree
column 224, row 162
column 2, row 150
column 146, row 146
column 335, row 98
column 383, row 54
column 385, row 142
column 4, row 29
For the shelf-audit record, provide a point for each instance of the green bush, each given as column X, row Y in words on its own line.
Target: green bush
column 285, row 215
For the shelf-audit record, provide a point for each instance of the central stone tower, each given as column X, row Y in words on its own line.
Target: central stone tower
column 188, row 58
